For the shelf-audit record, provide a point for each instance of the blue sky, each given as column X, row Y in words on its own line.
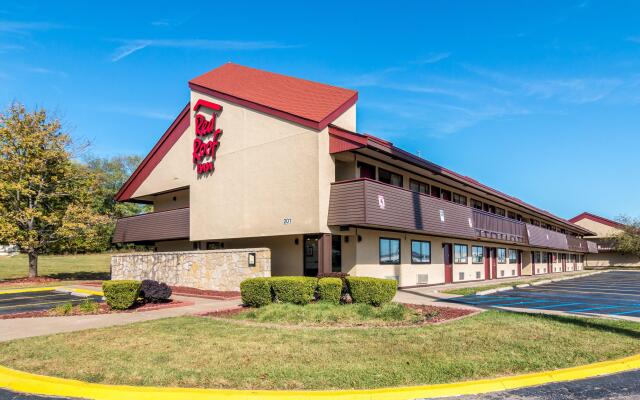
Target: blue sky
column 540, row 99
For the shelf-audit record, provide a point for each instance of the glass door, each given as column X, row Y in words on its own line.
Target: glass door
column 310, row 249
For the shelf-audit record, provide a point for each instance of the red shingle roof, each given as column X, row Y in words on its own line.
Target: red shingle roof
column 309, row 103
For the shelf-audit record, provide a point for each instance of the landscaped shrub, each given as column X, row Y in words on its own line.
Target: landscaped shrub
column 372, row 291
column 121, row 295
column 330, row 289
column 255, row 292
column 294, row 289
column 154, row 291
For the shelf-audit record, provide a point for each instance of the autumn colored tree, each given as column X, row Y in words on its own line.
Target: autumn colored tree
column 46, row 198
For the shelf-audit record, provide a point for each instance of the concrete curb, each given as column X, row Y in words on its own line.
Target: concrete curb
column 19, row 381
column 538, row 283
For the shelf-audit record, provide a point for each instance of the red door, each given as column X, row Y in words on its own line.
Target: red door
column 549, row 263
column 494, row 263
column 487, row 268
column 448, row 266
column 519, row 262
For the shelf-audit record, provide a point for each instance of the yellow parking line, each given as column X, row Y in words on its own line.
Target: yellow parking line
column 24, row 290
column 43, row 385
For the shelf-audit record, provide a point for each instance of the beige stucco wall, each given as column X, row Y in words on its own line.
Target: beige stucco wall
column 171, row 200
column 286, row 255
column 612, row 259
column 601, row 230
column 267, row 170
column 213, row 270
column 347, row 120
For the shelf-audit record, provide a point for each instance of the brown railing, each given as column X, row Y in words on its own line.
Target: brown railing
column 163, row 225
column 495, row 227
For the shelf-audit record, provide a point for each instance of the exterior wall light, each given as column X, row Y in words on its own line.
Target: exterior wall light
column 252, row 259
column 296, row 241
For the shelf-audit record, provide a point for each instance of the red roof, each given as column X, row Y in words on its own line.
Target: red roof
column 309, row 103
column 596, row 218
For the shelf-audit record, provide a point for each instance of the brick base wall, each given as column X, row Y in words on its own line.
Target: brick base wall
column 211, row 269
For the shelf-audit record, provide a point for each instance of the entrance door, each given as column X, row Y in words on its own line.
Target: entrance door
column 448, row 266
column 549, row 263
column 564, row 262
column 487, row 266
column 494, row 263
column 310, row 255
column 533, row 263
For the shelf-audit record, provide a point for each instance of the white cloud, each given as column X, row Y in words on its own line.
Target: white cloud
column 432, row 58
column 131, row 46
column 25, row 27
column 47, row 71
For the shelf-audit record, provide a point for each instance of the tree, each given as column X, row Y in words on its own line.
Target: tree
column 628, row 240
column 46, row 198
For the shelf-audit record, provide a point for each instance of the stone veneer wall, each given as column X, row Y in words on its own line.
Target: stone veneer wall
column 211, row 269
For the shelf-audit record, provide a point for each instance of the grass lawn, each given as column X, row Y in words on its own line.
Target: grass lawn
column 327, row 314
column 79, row 267
column 205, row 352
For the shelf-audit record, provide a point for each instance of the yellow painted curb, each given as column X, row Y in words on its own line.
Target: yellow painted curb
column 43, row 385
column 78, row 290
column 24, row 290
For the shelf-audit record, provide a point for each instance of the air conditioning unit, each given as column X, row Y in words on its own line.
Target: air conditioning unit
column 422, row 279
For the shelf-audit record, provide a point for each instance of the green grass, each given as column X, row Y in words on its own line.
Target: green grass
column 331, row 314
column 466, row 291
column 78, row 267
column 205, row 352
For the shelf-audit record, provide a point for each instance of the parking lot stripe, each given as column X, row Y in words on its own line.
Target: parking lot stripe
column 556, row 305
column 41, row 304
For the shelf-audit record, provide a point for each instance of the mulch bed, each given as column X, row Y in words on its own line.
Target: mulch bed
column 28, row 281
column 103, row 309
column 192, row 292
column 435, row 314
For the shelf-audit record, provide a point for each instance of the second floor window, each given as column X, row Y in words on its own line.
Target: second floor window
column 460, row 199
column 511, row 214
column 389, row 251
column 446, row 194
column 460, row 253
column 418, row 186
column 500, row 211
column 477, row 254
column 389, row 177
column 476, row 204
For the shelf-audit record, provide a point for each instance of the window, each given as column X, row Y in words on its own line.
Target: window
column 460, row 199
column 460, row 253
column 419, row 187
column 445, row 194
column 490, row 208
column 554, row 257
column 545, row 257
column 215, row 245
column 537, row 257
column 420, row 252
column 435, row 191
column 511, row 214
column 389, row 177
column 502, row 256
column 476, row 204
column 389, row 251
column 477, row 254
column 513, row 256
column 336, row 253
column 535, row 222
column 500, row 211
column 367, row 170
column 519, row 217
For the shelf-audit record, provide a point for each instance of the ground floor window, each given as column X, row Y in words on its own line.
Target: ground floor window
column 460, row 253
column 420, row 252
column 537, row 257
column 513, row 256
column 545, row 257
column 389, row 251
column 502, row 256
column 336, row 253
column 477, row 254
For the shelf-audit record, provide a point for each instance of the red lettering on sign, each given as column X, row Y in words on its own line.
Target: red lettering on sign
column 202, row 148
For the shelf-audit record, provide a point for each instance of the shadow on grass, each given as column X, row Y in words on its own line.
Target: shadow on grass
column 81, row 276
column 601, row 325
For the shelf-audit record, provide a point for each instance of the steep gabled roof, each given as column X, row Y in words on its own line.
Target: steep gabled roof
column 344, row 140
column 305, row 102
column 162, row 147
column 596, row 218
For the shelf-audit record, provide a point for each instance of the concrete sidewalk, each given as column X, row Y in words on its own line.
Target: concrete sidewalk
column 18, row 328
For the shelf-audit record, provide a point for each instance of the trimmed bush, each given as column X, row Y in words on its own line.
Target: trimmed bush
column 121, row 295
column 374, row 291
column 330, row 289
column 154, row 291
column 294, row 289
column 255, row 292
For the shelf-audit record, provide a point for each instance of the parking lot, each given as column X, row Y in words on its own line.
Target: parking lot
column 615, row 293
column 12, row 303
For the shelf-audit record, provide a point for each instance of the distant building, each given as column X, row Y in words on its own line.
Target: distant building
column 8, row 250
column 604, row 228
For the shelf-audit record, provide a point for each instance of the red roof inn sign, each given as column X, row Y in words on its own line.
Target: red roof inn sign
column 206, row 129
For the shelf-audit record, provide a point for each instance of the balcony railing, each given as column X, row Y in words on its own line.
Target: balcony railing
column 151, row 227
column 369, row 203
